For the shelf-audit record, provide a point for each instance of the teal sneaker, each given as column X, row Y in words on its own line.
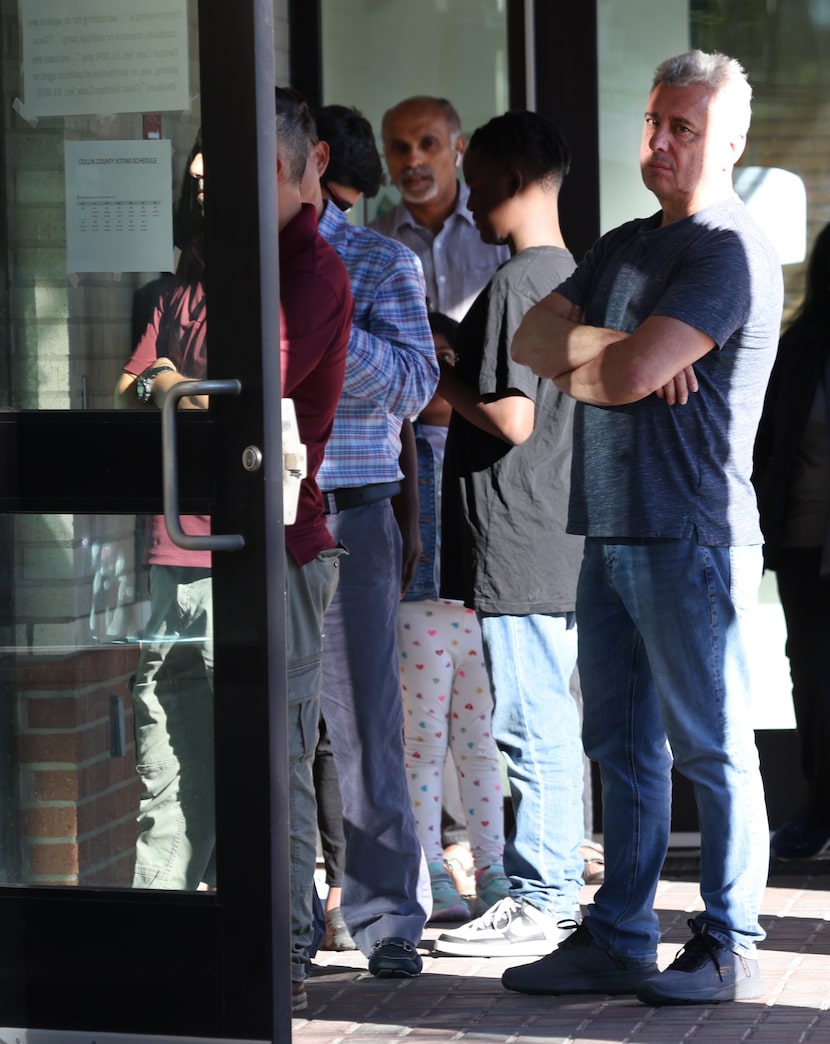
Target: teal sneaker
column 492, row 885
column 447, row 904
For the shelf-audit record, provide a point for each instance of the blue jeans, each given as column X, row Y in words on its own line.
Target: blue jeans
column 530, row 660
column 665, row 678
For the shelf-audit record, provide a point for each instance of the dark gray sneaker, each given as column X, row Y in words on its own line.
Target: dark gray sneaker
column 395, row 958
column 299, row 997
column 579, row 965
column 704, row 972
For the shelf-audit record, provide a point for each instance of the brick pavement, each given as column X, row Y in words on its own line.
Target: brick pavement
column 461, row 999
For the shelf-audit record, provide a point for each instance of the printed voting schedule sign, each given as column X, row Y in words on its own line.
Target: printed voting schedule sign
column 99, row 57
column 119, row 206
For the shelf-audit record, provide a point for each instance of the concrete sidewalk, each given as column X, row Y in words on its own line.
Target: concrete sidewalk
column 462, row 999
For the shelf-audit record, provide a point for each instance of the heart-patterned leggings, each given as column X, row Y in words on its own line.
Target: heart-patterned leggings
column 447, row 707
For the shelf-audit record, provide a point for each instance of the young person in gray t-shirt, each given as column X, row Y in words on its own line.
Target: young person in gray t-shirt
column 507, row 469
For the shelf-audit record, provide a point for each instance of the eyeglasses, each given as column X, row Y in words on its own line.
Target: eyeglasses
column 339, row 202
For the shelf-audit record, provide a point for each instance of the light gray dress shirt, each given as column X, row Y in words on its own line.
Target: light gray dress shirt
column 457, row 265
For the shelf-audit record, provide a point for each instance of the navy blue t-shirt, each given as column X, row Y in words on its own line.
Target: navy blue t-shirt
column 648, row 469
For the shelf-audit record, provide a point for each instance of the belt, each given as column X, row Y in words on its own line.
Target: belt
column 336, row 500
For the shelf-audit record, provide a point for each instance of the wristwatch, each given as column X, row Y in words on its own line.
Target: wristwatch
column 144, row 384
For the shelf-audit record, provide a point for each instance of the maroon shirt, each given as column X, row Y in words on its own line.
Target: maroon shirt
column 315, row 321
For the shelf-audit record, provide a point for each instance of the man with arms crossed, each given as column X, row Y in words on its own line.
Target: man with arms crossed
column 665, row 336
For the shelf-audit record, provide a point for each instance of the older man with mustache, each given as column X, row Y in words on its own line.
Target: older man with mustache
column 423, row 147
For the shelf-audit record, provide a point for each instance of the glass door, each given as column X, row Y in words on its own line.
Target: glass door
column 143, row 809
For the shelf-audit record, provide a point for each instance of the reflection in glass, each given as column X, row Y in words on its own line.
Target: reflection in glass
column 77, row 631
column 173, row 688
column 785, row 48
column 83, row 645
column 65, row 333
column 173, row 715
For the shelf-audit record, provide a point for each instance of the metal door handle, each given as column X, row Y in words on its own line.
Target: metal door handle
column 170, row 467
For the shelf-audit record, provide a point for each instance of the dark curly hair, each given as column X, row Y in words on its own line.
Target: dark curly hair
column 440, row 323
column 528, row 141
column 188, row 219
column 354, row 159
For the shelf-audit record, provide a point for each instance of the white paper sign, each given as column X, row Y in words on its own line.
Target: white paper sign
column 119, row 206
column 93, row 57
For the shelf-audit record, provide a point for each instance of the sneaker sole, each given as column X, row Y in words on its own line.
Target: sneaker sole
column 608, row 987
column 493, row 949
column 394, row 973
column 822, row 853
column 748, row 989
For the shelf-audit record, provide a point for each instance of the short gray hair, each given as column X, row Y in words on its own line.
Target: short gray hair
column 717, row 71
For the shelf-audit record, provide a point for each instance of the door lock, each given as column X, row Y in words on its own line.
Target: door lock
column 252, row 458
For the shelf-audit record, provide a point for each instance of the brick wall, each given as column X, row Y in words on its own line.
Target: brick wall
column 78, row 787
column 78, row 602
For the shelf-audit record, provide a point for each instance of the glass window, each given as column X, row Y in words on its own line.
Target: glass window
column 785, row 48
column 101, row 111
column 377, row 53
column 75, row 633
column 98, row 123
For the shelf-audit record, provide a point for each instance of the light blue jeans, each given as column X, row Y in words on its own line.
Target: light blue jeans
column 664, row 672
column 530, row 660
column 173, row 720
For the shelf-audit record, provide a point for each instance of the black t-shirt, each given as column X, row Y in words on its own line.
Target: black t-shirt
column 504, row 545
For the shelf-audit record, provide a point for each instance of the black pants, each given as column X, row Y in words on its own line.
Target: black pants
column 805, row 598
column 329, row 810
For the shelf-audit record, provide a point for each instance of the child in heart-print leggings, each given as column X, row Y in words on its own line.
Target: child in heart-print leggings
column 447, row 702
column 447, row 707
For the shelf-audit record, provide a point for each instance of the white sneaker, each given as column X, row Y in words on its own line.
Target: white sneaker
column 511, row 928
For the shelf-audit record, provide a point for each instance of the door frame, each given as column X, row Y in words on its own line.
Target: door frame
column 155, row 964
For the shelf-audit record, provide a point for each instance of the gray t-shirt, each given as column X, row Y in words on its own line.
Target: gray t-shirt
column 652, row 470
column 513, row 555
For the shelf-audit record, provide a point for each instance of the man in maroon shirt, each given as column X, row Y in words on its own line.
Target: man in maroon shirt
column 316, row 311
column 174, row 680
